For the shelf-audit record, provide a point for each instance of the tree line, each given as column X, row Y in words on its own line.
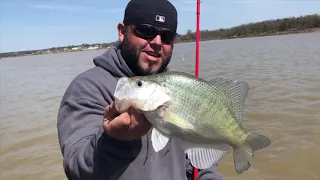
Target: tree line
column 57, row 49
column 268, row 27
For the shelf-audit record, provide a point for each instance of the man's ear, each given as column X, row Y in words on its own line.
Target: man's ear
column 121, row 31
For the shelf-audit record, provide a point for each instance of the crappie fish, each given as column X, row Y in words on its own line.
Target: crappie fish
column 205, row 115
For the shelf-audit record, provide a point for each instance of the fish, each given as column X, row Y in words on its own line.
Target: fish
column 205, row 115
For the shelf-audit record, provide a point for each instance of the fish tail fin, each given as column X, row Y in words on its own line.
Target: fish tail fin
column 257, row 141
column 241, row 162
column 253, row 142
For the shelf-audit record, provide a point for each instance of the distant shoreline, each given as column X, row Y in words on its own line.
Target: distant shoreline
column 311, row 30
column 40, row 52
column 284, row 26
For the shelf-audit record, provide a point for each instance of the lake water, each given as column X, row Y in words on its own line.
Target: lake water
column 283, row 73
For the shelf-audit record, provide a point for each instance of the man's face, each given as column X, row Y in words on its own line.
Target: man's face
column 145, row 56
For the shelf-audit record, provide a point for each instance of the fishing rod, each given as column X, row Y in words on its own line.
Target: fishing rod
column 197, row 38
column 195, row 170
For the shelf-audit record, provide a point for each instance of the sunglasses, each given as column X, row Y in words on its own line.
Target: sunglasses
column 146, row 31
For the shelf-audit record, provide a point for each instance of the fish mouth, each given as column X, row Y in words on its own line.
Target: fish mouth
column 122, row 93
column 121, row 87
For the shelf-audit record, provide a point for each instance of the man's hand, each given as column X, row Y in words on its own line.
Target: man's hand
column 127, row 126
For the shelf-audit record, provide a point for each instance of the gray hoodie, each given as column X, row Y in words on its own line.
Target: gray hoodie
column 90, row 154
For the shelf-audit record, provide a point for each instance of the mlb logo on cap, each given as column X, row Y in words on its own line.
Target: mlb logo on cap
column 160, row 18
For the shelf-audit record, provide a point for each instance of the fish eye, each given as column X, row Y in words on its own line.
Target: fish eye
column 139, row 83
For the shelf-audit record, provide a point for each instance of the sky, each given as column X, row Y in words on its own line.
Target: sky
column 40, row 24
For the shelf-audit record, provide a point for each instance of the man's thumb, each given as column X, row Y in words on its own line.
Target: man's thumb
column 119, row 124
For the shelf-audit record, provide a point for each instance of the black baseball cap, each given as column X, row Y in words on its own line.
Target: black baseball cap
column 154, row 12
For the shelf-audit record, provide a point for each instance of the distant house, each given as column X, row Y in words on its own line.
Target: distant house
column 75, row 48
column 93, row 47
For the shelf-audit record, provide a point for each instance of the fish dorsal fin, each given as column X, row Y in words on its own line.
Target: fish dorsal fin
column 235, row 91
column 159, row 141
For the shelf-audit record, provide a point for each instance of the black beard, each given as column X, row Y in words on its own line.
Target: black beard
column 131, row 55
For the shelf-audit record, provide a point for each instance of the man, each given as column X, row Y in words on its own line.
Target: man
column 99, row 143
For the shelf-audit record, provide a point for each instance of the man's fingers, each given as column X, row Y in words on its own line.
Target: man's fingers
column 126, row 126
column 136, row 116
column 119, row 124
column 110, row 111
column 138, row 119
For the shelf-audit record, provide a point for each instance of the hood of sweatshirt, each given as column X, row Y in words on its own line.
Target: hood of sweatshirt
column 113, row 62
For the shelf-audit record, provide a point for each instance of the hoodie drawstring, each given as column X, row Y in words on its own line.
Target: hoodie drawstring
column 147, row 155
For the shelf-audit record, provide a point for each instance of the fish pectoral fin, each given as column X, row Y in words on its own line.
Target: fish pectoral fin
column 175, row 119
column 159, row 141
column 203, row 158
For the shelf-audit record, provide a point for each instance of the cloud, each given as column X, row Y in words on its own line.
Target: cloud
column 75, row 8
column 193, row 8
column 243, row 1
column 217, row 1
column 61, row 7
column 209, row 5
column 114, row 10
